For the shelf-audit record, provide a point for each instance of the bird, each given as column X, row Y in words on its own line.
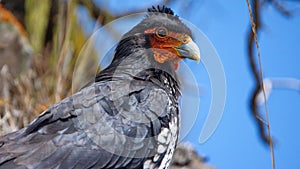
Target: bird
column 127, row 117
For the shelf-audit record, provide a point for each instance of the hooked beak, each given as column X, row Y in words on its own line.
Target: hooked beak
column 189, row 50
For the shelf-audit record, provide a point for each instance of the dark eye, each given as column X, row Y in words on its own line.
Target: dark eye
column 161, row 32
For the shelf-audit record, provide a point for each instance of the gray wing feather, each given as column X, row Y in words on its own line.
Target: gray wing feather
column 75, row 132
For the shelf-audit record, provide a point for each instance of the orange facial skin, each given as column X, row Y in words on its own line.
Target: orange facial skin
column 164, row 47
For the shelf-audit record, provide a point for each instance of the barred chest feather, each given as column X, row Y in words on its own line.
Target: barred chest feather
column 166, row 144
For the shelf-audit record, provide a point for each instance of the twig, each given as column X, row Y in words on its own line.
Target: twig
column 255, row 24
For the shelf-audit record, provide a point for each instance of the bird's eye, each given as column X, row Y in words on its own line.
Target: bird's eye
column 161, row 32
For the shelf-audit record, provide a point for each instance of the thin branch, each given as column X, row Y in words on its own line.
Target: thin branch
column 255, row 25
column 257, row 88
column 97, row 12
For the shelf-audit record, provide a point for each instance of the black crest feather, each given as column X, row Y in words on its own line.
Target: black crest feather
column 168, row 12
column 160, row 9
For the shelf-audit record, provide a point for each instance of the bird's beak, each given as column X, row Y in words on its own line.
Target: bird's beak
column 189, row 50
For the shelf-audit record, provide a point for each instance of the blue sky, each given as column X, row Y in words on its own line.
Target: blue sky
column 236, row 143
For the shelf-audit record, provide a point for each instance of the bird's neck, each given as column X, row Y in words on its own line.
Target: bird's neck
column 134, row 60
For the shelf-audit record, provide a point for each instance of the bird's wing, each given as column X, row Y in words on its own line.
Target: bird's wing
column 95, row 127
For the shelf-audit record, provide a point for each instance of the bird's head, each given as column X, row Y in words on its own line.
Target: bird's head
column 165, row 37
column 169, row 38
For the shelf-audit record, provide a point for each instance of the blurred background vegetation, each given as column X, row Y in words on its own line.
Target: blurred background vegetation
column 40, row 42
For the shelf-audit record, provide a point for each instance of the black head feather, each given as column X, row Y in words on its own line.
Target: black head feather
column 162, row 11
column 159, row 9
column 160, row 16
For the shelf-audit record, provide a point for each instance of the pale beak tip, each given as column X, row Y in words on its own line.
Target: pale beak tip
column 190, row 51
